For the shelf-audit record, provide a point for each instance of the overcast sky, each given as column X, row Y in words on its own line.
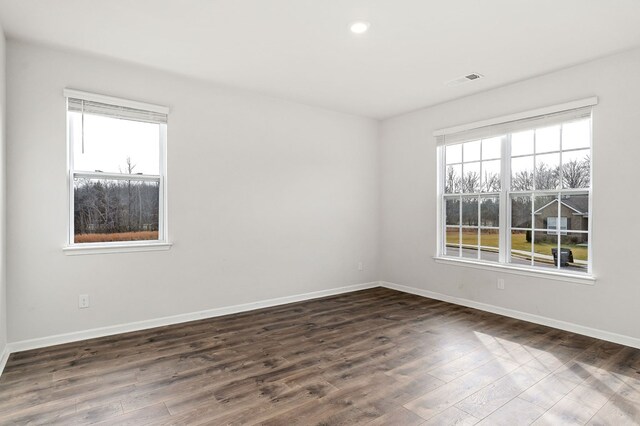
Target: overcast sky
column 108, row 142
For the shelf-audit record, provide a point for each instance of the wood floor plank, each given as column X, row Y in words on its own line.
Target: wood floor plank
column 375, row 357
column 152, row 415
column 436, row 401
column 617, row 411
column 515, row 412
column 398, row 416
column 452, row 416
column 492, row 397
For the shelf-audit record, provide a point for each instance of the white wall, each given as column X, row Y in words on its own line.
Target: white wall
column 267, row 198
column 287, row 200
column 408, row 198
column 3, row 286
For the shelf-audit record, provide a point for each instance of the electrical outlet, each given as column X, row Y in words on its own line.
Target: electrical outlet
column 360, row 266
column 83, row 301
column 500, row 283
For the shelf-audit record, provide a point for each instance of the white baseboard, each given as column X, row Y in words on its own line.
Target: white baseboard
column 176, row 319
column 4, row 358
column 537, row 319
column 58, row 339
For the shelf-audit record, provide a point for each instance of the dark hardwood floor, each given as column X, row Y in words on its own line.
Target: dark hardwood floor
column 369, row 357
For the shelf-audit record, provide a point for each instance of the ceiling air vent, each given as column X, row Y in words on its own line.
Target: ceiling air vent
column 464, row 79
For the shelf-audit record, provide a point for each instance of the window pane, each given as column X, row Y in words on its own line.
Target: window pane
column 453, row 179
column 575, row 251
column 469, row 211
column 521, row 247
column 548, row 139
column 547, row 173
column 543, row 247
column 576, row 135
column 522, row 143
column 453, row 153
column 452, row 242
column 452, row 211
column 491, row 176
column 576, row 169
column 545, row 207
column 471, row 177
column 115, row 210
column 522, row 174
column 492, row 148
column 470, row 243
column 471, row 151
column 521, row 211
column 575, row 208
column 114, row 145
column 489, row 243
column 490, row 211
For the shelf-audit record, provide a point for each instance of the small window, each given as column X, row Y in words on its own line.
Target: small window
column 116, row 171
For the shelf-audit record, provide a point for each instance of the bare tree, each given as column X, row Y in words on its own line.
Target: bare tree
column 471, row 182
column 469, row 211
column 111, row 206
column 522, row 181
column 491, row 182
column 452, row 181
column 547, row 177
column 129, row 170
column 452, row 208
column 490, row 212
column 577, row 173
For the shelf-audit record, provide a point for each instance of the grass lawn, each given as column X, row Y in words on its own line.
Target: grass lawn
column 116, row 236
column 518, row 242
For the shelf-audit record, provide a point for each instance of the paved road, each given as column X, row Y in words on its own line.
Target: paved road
column 546, row 263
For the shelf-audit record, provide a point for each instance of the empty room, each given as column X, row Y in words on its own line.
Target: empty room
column 319, row 212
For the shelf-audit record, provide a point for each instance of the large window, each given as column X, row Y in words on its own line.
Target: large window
column 116, row 170
column 519, row 193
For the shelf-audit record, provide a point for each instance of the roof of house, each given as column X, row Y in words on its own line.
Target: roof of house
column 577, row 203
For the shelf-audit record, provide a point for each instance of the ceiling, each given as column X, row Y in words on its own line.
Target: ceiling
column 303, row 50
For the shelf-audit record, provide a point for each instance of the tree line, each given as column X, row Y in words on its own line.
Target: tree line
column 574, row 174
column 114, row 206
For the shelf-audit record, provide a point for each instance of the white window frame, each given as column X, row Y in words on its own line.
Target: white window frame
column 505, row 194
column 72, row 248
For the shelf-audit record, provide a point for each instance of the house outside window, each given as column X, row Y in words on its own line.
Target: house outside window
column 517, row 193
column 117, row 171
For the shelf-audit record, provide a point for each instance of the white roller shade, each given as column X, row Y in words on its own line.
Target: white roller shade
column 543, row 117
column 90, row 103
column 114, row 111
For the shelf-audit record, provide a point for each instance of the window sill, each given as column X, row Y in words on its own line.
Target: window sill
column 90, row 248
column 516, row 270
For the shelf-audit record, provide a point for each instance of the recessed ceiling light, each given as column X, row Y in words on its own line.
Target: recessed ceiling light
column 359, row 27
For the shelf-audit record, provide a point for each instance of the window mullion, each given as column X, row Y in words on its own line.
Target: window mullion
column 70, row 182
column 504, row 222
column 162, row 195
column 559, row 221
column 479, row 199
